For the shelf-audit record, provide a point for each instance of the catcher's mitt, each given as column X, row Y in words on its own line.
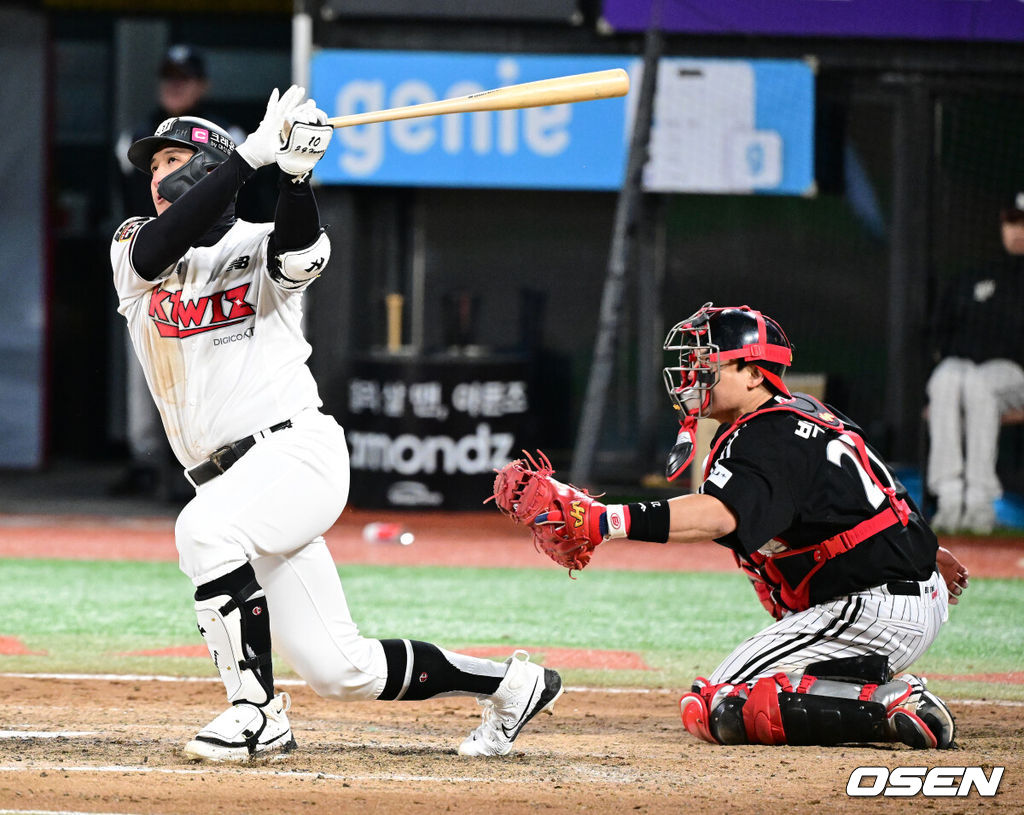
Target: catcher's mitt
column 565, row 521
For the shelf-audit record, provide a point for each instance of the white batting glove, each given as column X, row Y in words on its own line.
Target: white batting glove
column 307, row 140
column 261, row 146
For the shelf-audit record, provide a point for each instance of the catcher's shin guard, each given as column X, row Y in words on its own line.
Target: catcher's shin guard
column 232, row 616
column 801, row 709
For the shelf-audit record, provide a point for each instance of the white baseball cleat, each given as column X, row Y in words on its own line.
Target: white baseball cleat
column 526, row 690
column 245, row 732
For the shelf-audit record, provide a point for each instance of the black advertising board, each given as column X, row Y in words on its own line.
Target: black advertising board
column 427, row 432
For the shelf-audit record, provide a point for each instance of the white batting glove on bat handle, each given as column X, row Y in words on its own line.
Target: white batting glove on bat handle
column 306, row 142
column 261, row 146
column 307, row 113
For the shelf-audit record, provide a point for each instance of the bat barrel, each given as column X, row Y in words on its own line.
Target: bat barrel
column 559, row 90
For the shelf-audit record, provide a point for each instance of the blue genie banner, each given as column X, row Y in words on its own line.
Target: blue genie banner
column 905, row 19
column 580, row 146
column 739, row 126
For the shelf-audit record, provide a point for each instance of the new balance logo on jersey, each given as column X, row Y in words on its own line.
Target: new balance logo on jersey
column 239, row 263
column 177, row 318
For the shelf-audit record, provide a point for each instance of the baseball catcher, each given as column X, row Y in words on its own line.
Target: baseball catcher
column 833, row 545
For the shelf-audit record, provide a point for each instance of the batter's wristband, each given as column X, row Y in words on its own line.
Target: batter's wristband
column 649, row 521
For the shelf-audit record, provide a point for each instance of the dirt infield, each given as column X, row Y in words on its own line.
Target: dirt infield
column 601, row 752
column 114, row 746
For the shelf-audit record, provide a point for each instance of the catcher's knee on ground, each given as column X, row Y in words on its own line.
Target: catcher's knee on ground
column 843, row 701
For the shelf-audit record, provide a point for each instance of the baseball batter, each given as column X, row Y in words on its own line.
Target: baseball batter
column 837, row 552
column 214, row 310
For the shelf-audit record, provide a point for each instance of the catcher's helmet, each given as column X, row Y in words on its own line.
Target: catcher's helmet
column 211, row 143
column 713, row 335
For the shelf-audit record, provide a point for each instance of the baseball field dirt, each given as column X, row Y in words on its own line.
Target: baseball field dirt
column 602, row 752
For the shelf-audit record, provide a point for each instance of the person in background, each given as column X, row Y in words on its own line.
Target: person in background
column 978, row 343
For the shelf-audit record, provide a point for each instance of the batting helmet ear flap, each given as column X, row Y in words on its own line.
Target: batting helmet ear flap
column 176, row 184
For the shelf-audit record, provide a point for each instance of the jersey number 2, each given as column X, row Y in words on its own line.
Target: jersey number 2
column 836, row 449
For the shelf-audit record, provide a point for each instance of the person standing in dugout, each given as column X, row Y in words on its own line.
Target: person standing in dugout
column 214, row 308
column 836, row 550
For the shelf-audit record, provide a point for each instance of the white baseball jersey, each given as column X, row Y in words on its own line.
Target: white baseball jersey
column 219, row 340
column 224, row 356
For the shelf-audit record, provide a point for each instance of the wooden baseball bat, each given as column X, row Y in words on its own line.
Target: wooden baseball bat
column 557, row 91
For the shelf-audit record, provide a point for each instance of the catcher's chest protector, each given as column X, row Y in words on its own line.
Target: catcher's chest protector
column 777, row 594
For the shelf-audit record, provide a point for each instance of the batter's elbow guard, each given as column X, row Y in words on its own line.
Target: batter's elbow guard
column 294, row 269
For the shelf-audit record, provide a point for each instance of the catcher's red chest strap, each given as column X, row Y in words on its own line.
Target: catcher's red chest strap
column 797, row 598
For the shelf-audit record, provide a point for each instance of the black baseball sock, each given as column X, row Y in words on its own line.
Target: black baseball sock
column 419, row 670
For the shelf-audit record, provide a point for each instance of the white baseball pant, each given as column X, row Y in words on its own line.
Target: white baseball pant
column 875, row 621
column 965, row 402
column 271, row 509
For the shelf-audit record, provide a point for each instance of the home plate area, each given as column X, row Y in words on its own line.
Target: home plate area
column 103, row 745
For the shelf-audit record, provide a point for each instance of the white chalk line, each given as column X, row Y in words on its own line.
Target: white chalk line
column 303, row 775
column 285, row 683
column 55, row 812
column 46, row 734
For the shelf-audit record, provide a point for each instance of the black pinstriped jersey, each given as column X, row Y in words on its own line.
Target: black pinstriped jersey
column 792, row 483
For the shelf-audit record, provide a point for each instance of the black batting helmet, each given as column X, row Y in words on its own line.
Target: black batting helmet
column 211, row 143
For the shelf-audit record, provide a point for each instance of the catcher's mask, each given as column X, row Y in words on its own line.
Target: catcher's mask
column 703, row 341
column 211, row 143
column 711, row 336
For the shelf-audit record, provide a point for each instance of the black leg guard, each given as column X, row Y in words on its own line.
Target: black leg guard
column 802, row 709
column 807, row 719
column 828, row 720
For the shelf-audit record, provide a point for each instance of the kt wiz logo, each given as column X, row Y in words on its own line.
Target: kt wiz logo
column 935, row 782
column 177, row 318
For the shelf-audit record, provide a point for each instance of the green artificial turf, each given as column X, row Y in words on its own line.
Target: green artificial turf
column 90, row 616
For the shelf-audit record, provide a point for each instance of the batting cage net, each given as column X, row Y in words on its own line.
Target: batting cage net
column 826, row 266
